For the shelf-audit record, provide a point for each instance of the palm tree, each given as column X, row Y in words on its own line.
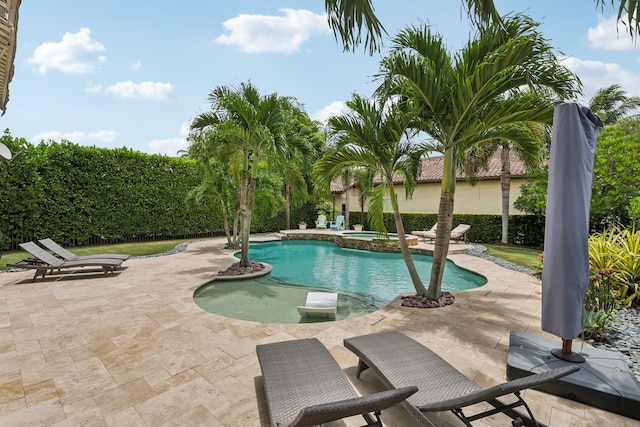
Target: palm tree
column 375, row 134
column 463, row 98
column 248, row 125
column 612, row 103
column 353, row 20
column 363, row 181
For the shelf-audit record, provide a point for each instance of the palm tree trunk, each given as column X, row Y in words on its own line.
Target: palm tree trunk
column 245, row 224
column 505, row 183
column 445, row 220
column 404, row 247
column 287, row 206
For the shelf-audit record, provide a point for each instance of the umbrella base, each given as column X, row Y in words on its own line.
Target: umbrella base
column 604, row 380
column 572, row 357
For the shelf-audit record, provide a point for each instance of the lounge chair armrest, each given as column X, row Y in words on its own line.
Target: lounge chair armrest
column 327, row 412
column 500, row 390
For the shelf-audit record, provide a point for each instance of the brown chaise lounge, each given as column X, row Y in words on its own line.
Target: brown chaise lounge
column 70, row 256
column 305, row 386
column 399, row 361
column 43, row 261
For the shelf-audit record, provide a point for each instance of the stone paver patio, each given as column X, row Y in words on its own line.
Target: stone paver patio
column 133, row 349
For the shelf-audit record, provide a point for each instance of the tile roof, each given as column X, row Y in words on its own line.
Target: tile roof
column 432, row 172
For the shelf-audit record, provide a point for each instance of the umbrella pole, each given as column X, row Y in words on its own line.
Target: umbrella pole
column 565, row 353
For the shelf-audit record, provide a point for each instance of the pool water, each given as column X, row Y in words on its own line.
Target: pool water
column 364, row 280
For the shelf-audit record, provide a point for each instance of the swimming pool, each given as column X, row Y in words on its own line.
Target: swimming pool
column 365, row 281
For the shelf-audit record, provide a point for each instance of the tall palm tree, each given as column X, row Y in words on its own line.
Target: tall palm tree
column 375, row 134
column 363, row 181
column 353, row 20
column 463, row 98
column 611, row 103
column 249, row 126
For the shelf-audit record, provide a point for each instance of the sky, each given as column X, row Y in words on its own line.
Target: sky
column 116, row 73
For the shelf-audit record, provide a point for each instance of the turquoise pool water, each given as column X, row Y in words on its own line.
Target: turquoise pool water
column 365, row 281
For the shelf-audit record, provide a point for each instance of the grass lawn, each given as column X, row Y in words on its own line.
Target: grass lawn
column 133, row 249
column 526, row 257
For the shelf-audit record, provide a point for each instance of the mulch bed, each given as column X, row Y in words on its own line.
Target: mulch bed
column 415, row 301
column 237, row 270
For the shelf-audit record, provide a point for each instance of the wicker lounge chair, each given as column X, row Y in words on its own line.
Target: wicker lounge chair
column 43, row 261
column 70, row 256
column 305, row 386
column 460, row 232
column 399, row 361
column 429, row 234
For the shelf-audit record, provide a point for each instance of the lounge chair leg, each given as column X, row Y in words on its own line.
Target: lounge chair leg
column 371, row 421
column 361, row 367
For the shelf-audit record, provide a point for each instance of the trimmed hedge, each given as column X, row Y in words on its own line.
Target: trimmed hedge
column 80, row 195
column 524, row 230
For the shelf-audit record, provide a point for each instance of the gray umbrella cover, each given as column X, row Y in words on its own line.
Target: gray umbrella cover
column 565, row 275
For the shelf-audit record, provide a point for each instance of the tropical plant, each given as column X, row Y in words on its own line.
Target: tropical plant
column 355, row 20
column 375, row 134
column 249, row 126
column 463, row 99
column 363, row 182
column 611, row 104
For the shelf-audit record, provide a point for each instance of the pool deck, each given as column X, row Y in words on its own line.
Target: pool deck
column 133, row 349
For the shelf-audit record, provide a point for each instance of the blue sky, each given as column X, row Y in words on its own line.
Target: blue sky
column 132, row 74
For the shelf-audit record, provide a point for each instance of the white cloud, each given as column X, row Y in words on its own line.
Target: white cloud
column 153, row 91
column 275, row 34
column 171, row 146
column 597, row 74
column 135, row 66
column 77, row 137
column 93, row 87
column 77, row 53
column 333, row 109
column 610, row 35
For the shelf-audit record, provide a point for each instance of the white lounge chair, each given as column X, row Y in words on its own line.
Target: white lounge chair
column 321, row 222
column 320, row 304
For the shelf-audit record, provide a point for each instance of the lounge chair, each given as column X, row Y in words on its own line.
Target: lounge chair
column 70, row 256
column 399, row 361
column 305, row 386
column 320, row 304
column 429, row 234
column 338, row 224
column 321, row 222
column 43, row 261
column 460, row 232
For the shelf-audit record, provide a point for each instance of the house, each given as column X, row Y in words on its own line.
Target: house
column 8, row 30
column 483, row 197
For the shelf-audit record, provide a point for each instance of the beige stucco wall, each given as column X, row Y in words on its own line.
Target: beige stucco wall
column 485, row 197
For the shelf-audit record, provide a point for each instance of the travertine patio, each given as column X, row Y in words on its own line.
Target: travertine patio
column 133, row 349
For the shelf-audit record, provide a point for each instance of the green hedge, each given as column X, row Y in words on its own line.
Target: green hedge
column 80, row 195
column 524, row 230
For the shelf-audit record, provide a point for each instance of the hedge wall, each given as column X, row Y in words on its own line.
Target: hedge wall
column 80, row 195
column 524, row 230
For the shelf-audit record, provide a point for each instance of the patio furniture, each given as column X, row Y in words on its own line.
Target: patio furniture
column 399, row 361
column 70, row 256
column 429, row 234
column 321, row 222
column 304, row 386
column 320, row 304
column 43, row 261
column 338, row 224
column 460, row 232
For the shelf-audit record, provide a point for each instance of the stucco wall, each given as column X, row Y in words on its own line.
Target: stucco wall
column 485, row 197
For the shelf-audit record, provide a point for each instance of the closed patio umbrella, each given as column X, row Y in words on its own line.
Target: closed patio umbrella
column 565, row 275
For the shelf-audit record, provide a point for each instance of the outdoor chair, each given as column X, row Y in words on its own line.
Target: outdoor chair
column 320, row 304
column 43, row 261
column 338, row 224
column 305, row 386
column 429, row 234
column 321, row 222
column 460, row 232
column 400, row 361
column 70, row 256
